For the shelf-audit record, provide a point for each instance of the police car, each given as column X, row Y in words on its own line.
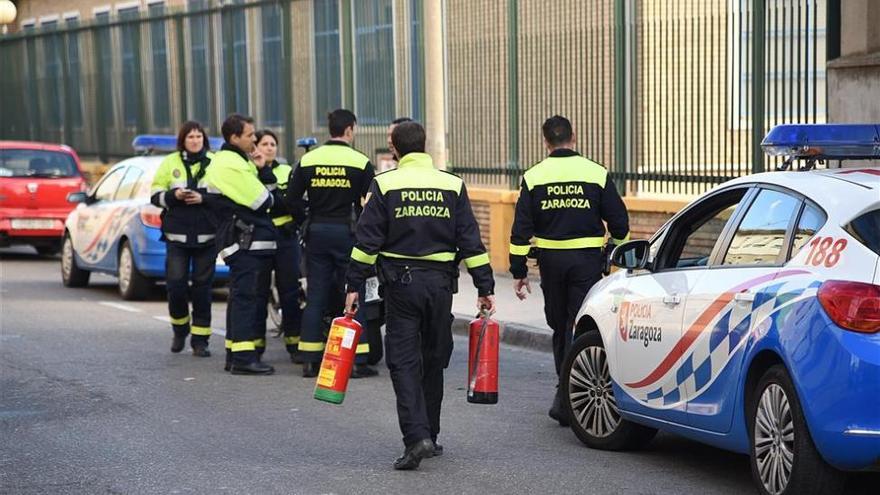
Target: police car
column 750, row 321
column 114, row 228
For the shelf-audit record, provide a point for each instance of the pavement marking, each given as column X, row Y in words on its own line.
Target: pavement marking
column 167, row 319
column 123, row 307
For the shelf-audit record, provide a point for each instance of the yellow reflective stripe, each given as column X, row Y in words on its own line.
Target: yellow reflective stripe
column 478, row 260
column 358, row 255
column 579, row 243
column 416, row 171
column 247, row 345
column 620, row 241
column 259, row 342
column 291, row 340
column 279, row 221
column 519, row 250
column 228, row 343
column 311, row 346
column 335, row 155
column 196, row 330
column 362, row 349
column 179, row 321
column 558, row 170
column 444, row 256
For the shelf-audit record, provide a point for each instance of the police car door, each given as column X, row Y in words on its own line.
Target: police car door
column 743, row 279
column 654, row 309
column 90, row 243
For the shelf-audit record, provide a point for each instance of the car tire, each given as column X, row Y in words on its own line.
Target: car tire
column 133, row 286
column 589, row 401
column 71, row 274
column 788, row 462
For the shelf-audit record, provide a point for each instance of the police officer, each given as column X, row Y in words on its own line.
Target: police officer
column 562, row 203
column 418, row 223
column 188, row 231
column 394, row 123
column 336, row 178
column 245, row 236
column 285, row 263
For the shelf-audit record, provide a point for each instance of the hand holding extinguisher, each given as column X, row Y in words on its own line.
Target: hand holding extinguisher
column 484, row 336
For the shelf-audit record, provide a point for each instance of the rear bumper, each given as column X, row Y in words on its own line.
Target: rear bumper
column 10, row 236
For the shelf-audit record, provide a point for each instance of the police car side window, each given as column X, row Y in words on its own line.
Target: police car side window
column 127, row 186
column 760, row 237
column 107, row 188
column 812, row 219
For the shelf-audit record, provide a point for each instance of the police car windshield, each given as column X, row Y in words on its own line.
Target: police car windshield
column 36, row 163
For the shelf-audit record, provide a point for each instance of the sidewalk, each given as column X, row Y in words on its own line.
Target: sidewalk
column 522, row 322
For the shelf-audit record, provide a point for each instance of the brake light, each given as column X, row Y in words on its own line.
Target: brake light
column 151, row 216
column 852, row 305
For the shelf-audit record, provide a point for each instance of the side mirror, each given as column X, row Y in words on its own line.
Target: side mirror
column 77, row 197
column 632, row 255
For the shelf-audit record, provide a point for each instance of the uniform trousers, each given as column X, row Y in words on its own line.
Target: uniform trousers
column 566, row 277
column 182, row 265
column 418, row 345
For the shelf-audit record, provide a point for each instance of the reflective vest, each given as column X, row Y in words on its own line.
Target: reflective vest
column 280, row 213
column 182, row 223
column 416, row 214
column 562, row 204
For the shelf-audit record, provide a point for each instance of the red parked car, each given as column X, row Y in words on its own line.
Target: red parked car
column 36, row 180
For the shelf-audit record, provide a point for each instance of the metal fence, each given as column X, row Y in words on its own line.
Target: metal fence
column 661, row 91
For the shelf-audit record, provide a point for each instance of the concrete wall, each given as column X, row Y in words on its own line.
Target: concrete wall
column 854, row 78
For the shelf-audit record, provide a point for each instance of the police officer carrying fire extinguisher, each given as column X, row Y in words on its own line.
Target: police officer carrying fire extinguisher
column 417, row 224
column 562, row 204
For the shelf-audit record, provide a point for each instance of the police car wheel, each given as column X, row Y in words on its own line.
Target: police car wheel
column 133, row 285
column 589, row 400
column 784, row 459
column 71, row 275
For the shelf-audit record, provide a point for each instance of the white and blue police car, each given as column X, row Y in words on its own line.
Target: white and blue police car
column 750, row 321
column 114, row 228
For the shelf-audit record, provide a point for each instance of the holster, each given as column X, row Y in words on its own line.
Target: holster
column 245, row 234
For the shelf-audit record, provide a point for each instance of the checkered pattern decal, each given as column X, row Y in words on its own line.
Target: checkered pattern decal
column 722, row 338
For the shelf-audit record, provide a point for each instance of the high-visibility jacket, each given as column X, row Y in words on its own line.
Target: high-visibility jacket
column 241, row 201
column 562, row 203
column 191, row 225
column 279, row 212
column 336, row 178
column 418, row 215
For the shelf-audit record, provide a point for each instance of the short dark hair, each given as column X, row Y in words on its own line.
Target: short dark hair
column 557, row 130
column 401, row 120
column 234, row 125
column 266, row 132
column 408, row 137
column 188, row 127
column 339, row 120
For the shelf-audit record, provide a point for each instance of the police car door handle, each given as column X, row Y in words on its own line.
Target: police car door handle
column 672, row 300
column 744, row 296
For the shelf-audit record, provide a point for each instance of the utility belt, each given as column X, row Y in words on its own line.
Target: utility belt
column 238, row 235
column 402, row 271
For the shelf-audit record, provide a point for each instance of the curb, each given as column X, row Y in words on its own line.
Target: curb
column 514, row 334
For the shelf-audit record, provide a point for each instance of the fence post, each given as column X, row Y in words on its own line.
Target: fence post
column 758, row 70
column 512, row 92
column 65, row 90
column 286, row 66
column 620, row 72
column 100, row 95
column 181, row 69
column 139, row 100
column 228, row 61
column 347, row 57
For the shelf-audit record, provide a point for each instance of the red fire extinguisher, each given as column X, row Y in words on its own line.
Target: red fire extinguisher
column 483, row 360
column 345, row 332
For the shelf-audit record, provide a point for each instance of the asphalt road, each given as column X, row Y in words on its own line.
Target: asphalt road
column 92, row 401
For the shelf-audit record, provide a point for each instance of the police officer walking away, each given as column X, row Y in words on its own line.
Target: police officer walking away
column 285, row 263
column 418, row 224
column 336, row 178
column 188, row 228
column 562, row 204
column 245, row 236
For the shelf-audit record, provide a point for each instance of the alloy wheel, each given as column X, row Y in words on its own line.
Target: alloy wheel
column 590, row 394
column 774, row 439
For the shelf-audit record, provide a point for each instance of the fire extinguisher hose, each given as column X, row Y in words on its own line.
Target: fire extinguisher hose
column 473, row 378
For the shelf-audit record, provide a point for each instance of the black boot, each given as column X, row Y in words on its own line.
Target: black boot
column 254, row 368
column 201, row 351
column 556, row 411
column 438, row 449
column 310, row 370
column 363, row 371
column 177, row 343
column 414, row 454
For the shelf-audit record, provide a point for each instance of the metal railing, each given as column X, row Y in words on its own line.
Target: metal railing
column 660, row 91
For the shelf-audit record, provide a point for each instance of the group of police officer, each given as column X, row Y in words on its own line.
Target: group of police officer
column 412, row 225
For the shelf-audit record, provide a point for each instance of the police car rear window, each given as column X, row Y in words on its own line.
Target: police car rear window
column 866, row 228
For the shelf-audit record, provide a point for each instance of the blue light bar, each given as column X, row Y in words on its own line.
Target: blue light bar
column 164, row 142
column 824, row 141
column 306, row 142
